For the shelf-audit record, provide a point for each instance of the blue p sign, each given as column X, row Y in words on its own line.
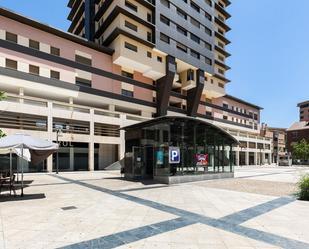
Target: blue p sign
column 174, row 155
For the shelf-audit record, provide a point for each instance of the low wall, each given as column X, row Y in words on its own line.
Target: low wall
column 192, row 178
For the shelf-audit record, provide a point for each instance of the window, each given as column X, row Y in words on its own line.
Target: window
column 149, row 54
column 181, row 13
column 159, row 58
column 11, row 64
column 82, row 82
column 190, row 74
column 221, row 71
column 225, row 117
column 149, row 17
column 10, row 37
column 130, row 26
column 208, row 61
column 127, row 74
column 195, row 38
column 34, row 44
column 208, row 46
column 34, row 70
column 208, row 16
column 195, row 54
column 164, row 38
column 131, row 6
column 208, row 31
column 54, row 75
column 195, row 6
column 195, row 22
column 166, row 3
column 130, row 46
column 225, row 106
column 181, row 47
column 165, row 20
column 208, row 2
column 221, row 85
column 126, row 93
column 55, row 51
column 182, row 30
column 83, row 60
column 149, row 36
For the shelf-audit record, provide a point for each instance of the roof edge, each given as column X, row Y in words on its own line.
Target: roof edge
column 243, row 101
column 49, row 29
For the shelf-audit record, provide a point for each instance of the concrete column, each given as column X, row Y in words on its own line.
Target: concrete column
column 122, row 146
column 255, row 158
column 71, row 158
column 247, row 158
column 91, row 143
column 269, row 159
column 237, row 157
column 111, row 108
column 263, row 158
column 50, row 134
column 71, row 103
column 21, row 94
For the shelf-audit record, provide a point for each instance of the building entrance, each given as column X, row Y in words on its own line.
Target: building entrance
column 143, row 162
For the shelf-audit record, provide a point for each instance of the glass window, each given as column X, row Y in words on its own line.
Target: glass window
column 34, row 44
column 34, row 70
column 10, row 37
column 11, row 64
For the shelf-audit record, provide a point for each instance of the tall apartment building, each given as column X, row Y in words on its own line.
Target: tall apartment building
column 178, row 44
column 83, row 87
column 303, row 111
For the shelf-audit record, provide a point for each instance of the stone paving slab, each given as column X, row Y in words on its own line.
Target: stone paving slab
column 113, row 213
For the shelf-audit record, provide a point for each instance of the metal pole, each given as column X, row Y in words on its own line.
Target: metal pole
column 57, row 154
column 22, row 171
column 10, row 171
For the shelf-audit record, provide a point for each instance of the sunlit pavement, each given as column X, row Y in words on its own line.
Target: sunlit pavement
column 101, row 210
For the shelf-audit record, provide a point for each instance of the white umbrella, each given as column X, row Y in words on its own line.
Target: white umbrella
column 39, row 149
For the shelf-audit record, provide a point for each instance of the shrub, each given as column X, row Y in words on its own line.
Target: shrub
column 303, row 186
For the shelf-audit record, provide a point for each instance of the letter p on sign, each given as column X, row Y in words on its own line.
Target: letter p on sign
column 174, row 155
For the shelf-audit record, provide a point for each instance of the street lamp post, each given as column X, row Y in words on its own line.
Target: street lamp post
column 58, row 131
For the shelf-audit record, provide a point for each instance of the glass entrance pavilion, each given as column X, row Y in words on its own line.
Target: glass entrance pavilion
column 178, row 149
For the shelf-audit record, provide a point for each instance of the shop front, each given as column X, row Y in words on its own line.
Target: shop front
column 178, row 149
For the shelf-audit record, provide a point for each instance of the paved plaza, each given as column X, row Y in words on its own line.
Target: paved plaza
column 257, row 209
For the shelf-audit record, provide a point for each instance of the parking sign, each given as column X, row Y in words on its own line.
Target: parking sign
column 174, row 155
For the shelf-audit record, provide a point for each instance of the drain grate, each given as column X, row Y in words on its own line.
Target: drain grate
column 68, row 208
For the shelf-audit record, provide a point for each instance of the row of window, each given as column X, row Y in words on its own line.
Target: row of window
column 185, row 49
column 241, row 110
column 53, row 50
column 193, row 5
column 135, row 28
column 32, row 43
column 134, row 48
column 184, row 32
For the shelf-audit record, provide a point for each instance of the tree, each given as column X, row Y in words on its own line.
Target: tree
column 301, row 150
column 2, row 97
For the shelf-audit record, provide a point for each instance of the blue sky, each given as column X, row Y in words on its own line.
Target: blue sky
column 270, row 54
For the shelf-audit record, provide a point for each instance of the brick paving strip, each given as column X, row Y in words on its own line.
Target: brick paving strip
column 252, row 186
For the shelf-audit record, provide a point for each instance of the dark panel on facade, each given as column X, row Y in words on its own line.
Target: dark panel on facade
column 164, row 86
column 194, row 94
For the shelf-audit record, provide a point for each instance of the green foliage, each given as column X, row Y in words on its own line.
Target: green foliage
column 303, row 186
column 2, row 95
column 301, row 150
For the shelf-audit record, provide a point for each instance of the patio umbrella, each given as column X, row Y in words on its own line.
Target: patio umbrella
column 21, row 144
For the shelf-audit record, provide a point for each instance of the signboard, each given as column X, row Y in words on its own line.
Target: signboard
column 174, row 155
column 201, row 159
column 160, row 157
